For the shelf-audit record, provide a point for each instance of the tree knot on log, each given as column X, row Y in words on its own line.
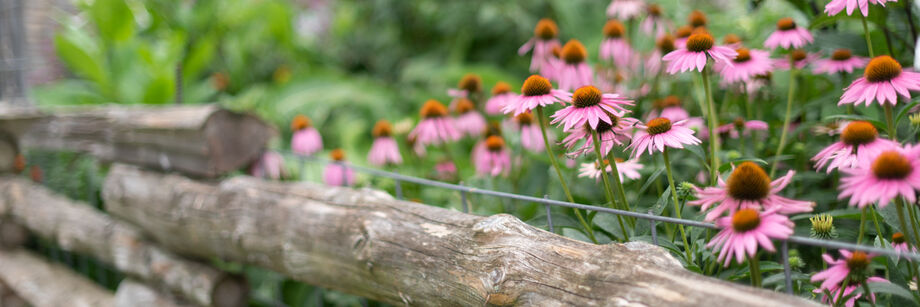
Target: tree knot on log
column 502, row 224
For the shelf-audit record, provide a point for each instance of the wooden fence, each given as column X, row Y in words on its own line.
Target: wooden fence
column 166, row 214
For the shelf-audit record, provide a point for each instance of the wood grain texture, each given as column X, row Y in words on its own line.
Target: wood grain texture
column 196, row 140
column 366, row 243
column 44, row 284
column 80, row 228
column 133, row 293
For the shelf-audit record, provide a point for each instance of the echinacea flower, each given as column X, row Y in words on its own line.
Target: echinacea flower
column 836, row 6
column 664, row 45
column 615, row 47
column 851, row 300
column 501, row 96
column 384, row 149
column 749, row 187
column 893, row 172
column 660, row 132
column 589, row 106
column 882, row 81
column 681, row 34
column 417, row 148
column 306, row 140
column 732, row 40
column 668, row 107
column 542, row 43
column 899, row 244
column 830, row 129
column 697, row 19
column 495, row 160
column 853, row 264
column 655, row 23
column 531, row 137
column 625, row 9
column 697, row 51
column 468, row 86
column 799, row 57
column 741, row 125
column 573, row 71
column 337, row 174
column 788, row 35
column 615, row 133
column 436, row 127
column 745, row 66
column 745, row 229
column 446, row 170
column 270, row 165
column 468, row 120
column 859, row 141
column 628, row 169
column 536, row 92
column 842, row 60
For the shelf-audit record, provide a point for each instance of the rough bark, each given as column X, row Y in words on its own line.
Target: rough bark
column 11, row 234
column 197, row 140
column 132, row 293
column 366, row 243
column 80, row 228
column 42, row 284
column 8, row 298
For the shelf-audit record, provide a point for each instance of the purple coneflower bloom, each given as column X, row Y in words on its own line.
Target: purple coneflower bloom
column 336, row 174
column 446, row 170
column 836, row 6
column 841, row 61
column 745, row 229
column 469, row 85
column 732, row 40
column 573, row 71
column 899, row 244
column 882, row 81
column 531, row 137
column 306, row 140
column 788, row 35
column 435, row 127
column 892, row 173
column 616, row 133
column 501, row 96
column 854, row 264
column 615, row 47
column 668, row 107
column 746, row 65
column 859, row 142
column 536, row 92
column 542, row 44
column 664, row 45
column 495, row 160
column 655, row 23
column 468, row 120
column 851, row 301
column 625, row 9
column 269, row 165
column 699, row 48
column 628, row 169
column 749, row 187
column 799, row 57
column 657, row 133
column 681, row 34
column 589, row 106
column 739, row 124
column 384, row 149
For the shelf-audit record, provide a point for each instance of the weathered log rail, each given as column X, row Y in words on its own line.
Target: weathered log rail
column 362, row 242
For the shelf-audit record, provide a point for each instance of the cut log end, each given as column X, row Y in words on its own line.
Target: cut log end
column 232, row 291
column 12, row 235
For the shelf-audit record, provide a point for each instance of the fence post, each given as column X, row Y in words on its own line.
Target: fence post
column 549, row 215
column 654, row 229
column 787, row 271
column 344, row 173
column 399, row 192
column 466, row 207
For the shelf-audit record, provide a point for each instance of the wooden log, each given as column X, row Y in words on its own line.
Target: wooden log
column 80, row 228
column 8, row 298
column 366, row 243
column 196, row 140
column 41, row 283
column 12, row 235
column 133, row 293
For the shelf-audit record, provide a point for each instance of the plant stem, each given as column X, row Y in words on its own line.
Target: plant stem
column 619, row 185
column 868, row 293
column 713, row 121
column 683, row 235
column 878, row 229
column 913, row 224
column 846, row 282
column 565, row 188
column 607, row 190
column 793, row 72
column 889, row 118
column 904, row 229
column 868, row 38
column 862, row 226
column 754, row 271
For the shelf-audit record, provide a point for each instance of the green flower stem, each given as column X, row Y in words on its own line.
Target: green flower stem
column 889, row 118
column 793, row 73
column 868, row 38
column 619, row 185
column 913, row 223
column 754, row 271
column 667, row 165
column 713, row 121
column 865, row 285
column 902, row 222
column 862, row 226
column 838, row 300
column 607, row 190
column 878, row 229
column 565, row 188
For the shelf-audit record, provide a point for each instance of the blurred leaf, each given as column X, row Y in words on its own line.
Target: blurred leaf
column 82, row 55
column 113, row 19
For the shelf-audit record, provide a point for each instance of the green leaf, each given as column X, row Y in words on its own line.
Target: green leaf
column 890, row 288
column 847, row 213
column 904, row 111
column 82, row 55
column 650, row 180
column 114, row 20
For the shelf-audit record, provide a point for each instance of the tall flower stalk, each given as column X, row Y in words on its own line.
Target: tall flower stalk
column 683, row 235
column 608, row 192
column 793, row 74
column 713, row 120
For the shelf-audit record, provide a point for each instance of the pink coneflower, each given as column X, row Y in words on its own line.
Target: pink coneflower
column 732, row 40
column 468, row 120
column 542, row 43
column 625, row 9
column 695, row 54
column 660, row 132
column 746, row 65
column 799, row 57
column 745, row 229
column 435, row 127
column 616, row 133
column 495, row 160
column 749, row 187
column 306, row 140
column 788, row 35
column 337, row 174
column 830, row 129
column 615, row 47
column 859, row 142
column 668, row 107
column 501, row 96
column 892, row 173
column 853, row 264
column 836, row 6
column 681, row 34
column 697, row 19
column 446, row 170
column 536, row 92
column 741, row 125
column 573, row 72
column 531, row 137
column 384, row 149
column 467, row 87
column 842, row 60
column 899, row 244
column 851, row 301
column 590, row 107
column 655, row 23
column 417, row 148
column 664, row 45
column 882, row 81
column 269, row 165
column 627, row 169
